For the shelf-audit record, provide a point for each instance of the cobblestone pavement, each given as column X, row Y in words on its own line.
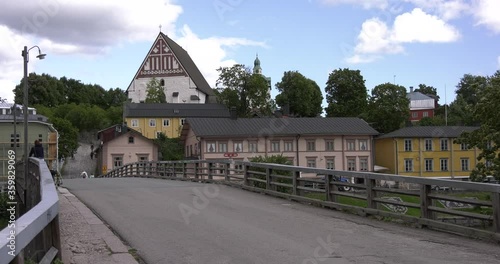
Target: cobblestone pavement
column 85, row 239
column 81, row 162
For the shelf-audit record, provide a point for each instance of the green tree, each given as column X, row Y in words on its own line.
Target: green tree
column 346, row 93
column 155, row 92
column 388, row 107
column 427, row 90
column 487, row 137
column 301, row 94
column 44, row 90
column 68, row 136
column 169, row 148
column 431, row 121
column 469, row 87
column 248, row 93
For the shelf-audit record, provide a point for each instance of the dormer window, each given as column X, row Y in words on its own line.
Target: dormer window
column 131, row 140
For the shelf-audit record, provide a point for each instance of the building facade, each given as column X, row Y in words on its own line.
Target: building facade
column 38, row 129
column 421, row 105
column 426, row 152
column 120, row 145
column 172, row 66
column 332, row 143
column 152, row 119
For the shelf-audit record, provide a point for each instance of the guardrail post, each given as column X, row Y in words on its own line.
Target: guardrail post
column 196, row 170
column 268, row 178
column 245, row 175
column 56, row 236
column 370, row 193
column 184, row 170
column 495, row 199
column 328, row 188
column 210, row 165
column 295, row 182
column 425, row 201
column 226, row 171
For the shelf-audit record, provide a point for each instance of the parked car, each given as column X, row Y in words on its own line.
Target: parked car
column 338, row 178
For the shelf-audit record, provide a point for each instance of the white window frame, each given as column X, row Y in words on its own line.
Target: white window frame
column 444, row 140
column 167, row 121
column 428, row 144
column 408, row 144
column 212, row 144
column 408, row 165
column 329, row 144
column 134, row 123
column 443, row 164
column 363, row 144
column 152, row 122
column 237, row 144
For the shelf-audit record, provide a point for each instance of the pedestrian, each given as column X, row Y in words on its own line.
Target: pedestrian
column 37, row 150
column 84, row 174
column 91, row 147
column 92, row 155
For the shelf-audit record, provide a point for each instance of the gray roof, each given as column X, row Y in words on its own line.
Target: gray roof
column 252, row 127
column 429, row 132
column 20, row 118
column 416, row 96
column 175, row 110
column 188, row 64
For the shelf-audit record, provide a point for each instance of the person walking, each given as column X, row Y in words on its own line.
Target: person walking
column 37, row 150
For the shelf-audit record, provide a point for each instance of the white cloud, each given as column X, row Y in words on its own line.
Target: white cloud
column 418, row 26
column 486, row 13
column 94, row 29
column 367, row 4
column 445, row 9
column 376, row 38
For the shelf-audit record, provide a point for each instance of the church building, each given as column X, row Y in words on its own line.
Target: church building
column 172, row 66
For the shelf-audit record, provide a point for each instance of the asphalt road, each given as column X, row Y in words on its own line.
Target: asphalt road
column 184, row 222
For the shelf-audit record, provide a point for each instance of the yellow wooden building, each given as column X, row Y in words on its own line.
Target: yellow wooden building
column 426, row 151
column 167, row 118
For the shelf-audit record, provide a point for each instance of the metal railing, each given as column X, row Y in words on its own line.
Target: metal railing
column 467, row 208
column 33, row 233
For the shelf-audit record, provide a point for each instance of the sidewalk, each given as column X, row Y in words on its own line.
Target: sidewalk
column 85, row 239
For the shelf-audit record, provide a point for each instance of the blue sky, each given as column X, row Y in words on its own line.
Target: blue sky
column 434, row 42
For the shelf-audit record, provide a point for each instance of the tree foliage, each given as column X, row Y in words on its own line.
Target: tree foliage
column 388, row 107
column 427, row 90
column 248, row 93
column 155, row 92
column 301, row 94
column 487, row 137
column 346, row 93
column 68, row 136
column 169, row 148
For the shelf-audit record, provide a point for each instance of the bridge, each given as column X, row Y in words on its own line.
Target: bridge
column 240, row 212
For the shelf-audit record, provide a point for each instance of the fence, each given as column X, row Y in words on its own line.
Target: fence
column 33, row 234
column 467, row 208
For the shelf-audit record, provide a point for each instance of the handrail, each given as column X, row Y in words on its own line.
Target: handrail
column 33, row 222
column 287, row 181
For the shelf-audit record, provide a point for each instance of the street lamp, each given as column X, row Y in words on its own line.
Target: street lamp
column 41, row 56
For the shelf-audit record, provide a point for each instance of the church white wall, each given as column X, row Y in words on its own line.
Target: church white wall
column 181, row 84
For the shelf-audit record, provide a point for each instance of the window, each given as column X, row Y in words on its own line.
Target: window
column 252, row 146
column 183, row 120
column 407, row 144
column 238, row 146
column 330, row 163
column 166, row 122
column 464, row 162
column 162, row 82
column 444, row 164
column 131, row 140
column 152, row 122
column 311, row 162
column 351, row 164
column 311, row 145
column 158, row 133
column 425, row 114
column 363, row 164
column 429, row 164
column 408, row 165
column 117, row 161
column 288, row 145
column 488, row 164
column 428, row 144
column 134, row 123
column 444, row 144
column 464, row 146
column 275, row 146
column 329, row 145
column 14, row 139
column 414, row 114
column 351, row 144
column 363, row 144
column 222, row 146
column 211, row 147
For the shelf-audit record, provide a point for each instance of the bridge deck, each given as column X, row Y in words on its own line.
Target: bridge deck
column 185, row 222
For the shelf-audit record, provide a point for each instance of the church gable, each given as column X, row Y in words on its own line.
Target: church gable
column 160, row 62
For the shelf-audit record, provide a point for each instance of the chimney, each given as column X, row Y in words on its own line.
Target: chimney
column 411, row 89
column 232, row 113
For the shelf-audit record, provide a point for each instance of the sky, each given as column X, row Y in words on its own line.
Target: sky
column 407, row 42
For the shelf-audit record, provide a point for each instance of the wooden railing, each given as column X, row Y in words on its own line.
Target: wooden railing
column 467, row 208
column 33, row 235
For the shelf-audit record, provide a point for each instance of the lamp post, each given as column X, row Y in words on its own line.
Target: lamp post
column 25, row 54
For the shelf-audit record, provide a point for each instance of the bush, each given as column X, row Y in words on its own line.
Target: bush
column 275, row 159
